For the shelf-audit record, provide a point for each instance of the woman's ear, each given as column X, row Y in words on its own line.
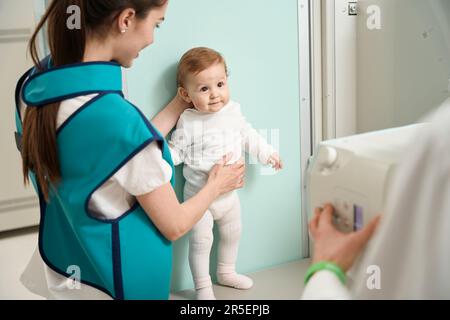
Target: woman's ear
column 184, row 94
column 126, row 19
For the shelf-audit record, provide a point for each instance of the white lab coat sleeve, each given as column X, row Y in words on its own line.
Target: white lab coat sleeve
column 178, row 144
column 325, row 285
column 254, row 144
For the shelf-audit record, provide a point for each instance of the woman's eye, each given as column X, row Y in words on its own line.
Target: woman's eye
column 158, row 26
column 204, row 89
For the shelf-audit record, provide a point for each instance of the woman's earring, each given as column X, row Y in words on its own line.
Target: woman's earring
column 123, row 30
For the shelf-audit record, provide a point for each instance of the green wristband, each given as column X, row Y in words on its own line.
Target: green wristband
column 325, row 265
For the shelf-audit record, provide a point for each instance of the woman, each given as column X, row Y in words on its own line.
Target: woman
column 103, row 172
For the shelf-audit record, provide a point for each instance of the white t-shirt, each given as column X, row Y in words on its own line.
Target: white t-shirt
column 145, row 172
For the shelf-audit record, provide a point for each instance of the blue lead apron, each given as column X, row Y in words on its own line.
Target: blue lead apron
column 127, row 258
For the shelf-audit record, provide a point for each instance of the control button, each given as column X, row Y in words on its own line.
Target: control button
column 327, row 156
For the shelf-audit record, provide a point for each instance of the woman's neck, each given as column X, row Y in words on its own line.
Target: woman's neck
column 97, row 51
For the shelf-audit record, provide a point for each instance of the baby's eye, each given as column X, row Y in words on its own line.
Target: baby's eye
column 204, row 89
column 158, row 26
column 221, row 84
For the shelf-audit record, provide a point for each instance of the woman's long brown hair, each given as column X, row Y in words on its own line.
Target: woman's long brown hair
column 67, row 46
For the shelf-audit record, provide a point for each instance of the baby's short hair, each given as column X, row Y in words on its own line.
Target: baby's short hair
column 197, row 60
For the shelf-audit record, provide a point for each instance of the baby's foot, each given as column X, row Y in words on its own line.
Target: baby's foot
column 205, row 294
column 235, row 280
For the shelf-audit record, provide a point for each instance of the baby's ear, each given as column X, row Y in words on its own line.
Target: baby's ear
column 184, row 94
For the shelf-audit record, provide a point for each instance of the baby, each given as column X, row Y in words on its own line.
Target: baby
column 214, row 127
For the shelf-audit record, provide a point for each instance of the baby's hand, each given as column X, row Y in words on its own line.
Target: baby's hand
column 275, row 161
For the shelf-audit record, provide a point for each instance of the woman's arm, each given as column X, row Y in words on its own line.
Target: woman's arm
column 173, row 219
column 167, row 118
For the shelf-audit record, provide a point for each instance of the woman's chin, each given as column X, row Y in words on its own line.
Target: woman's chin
column 127, row 64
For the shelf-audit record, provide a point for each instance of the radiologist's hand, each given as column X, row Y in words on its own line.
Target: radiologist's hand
column 334, row 246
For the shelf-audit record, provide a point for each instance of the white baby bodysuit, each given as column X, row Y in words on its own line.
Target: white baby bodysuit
column 201, row 139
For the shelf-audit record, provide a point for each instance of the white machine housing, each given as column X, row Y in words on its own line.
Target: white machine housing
column 354, row 174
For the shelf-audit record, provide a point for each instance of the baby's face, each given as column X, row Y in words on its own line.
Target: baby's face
column 208, row 90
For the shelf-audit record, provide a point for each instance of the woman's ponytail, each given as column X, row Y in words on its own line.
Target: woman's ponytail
column 66, row 45
column 39, row 128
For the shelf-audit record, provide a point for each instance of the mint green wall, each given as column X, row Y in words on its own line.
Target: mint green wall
column 259, row 40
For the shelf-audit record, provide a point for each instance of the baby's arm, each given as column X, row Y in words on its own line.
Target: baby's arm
column 178, row 144
column 257, row 146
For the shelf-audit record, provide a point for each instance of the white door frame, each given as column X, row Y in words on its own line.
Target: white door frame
column 327, row 80
column 306, row 110
column 339, row 69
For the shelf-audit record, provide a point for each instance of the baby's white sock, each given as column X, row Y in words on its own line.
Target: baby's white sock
column 205, row 294
column 235, row 280
column 203, row 288
column 227, row 276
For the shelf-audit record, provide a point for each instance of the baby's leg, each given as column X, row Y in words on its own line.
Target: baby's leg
column 230, row 233
column 200, row 242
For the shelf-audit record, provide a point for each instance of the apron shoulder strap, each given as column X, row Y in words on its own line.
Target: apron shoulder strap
column 18, row 134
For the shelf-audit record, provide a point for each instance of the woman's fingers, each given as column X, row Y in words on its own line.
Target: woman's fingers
column 241, row 161
column 239, row 167
column 226, row 158
column 238, row 164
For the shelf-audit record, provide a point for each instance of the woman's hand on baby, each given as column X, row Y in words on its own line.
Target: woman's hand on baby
column 275, row 161
column 181, row 102
column 334, row 246
column 226, row 177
